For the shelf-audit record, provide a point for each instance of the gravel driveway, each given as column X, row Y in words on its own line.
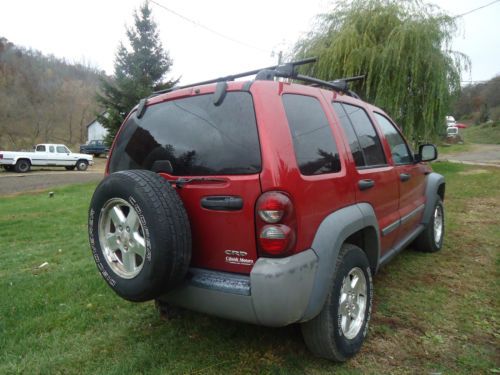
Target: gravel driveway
column 479, row 154
column 46, row 178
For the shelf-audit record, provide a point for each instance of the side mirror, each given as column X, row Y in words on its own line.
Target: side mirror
column 427, row 152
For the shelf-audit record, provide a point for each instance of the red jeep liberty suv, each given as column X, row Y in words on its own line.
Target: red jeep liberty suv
column 264, row 201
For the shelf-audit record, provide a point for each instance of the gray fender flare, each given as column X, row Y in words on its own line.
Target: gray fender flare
column 434, row 183
column 331, row 234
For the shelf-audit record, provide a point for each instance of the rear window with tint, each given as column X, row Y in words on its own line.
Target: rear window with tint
column 194, row 135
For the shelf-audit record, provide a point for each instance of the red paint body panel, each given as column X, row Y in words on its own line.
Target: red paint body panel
column 313, row 197
column 215, row 232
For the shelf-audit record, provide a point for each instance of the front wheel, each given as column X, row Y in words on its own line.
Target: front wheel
column 82, row 165
column 339, row 330
column 431, row 239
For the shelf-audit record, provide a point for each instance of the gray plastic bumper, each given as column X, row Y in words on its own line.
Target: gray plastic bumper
column 275, row 294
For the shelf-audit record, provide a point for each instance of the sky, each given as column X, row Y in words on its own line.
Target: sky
column 246, row 34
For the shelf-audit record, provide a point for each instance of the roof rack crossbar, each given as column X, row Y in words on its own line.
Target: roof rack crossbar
column 334, row 85
column 234, row 76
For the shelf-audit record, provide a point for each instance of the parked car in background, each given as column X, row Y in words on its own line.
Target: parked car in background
column 94, row 147
column 452, row 131
column 450, row 121
column 44, row 155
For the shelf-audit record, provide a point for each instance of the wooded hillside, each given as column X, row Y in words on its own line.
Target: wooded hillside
column 479, row 103
column 43, row 99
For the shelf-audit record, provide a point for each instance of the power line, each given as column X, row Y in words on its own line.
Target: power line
column 476, row 9
column 215, row 32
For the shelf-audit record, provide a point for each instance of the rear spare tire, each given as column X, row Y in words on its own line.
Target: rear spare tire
column 139, row 234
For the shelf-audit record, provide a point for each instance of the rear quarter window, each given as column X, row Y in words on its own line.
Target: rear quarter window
column 313, row 142
column 194, row 135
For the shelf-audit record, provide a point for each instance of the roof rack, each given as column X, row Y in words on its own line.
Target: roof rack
column 232, row 77
column 287, row 70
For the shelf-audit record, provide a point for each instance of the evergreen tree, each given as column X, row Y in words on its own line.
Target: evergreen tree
column 403, row 47
column 139, row 70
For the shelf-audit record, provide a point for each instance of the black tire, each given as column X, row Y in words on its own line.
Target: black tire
column 22, row 166
column 165, row 229
column 324, row 335
column 82, row 165
column 70, row 167
column 426, row 242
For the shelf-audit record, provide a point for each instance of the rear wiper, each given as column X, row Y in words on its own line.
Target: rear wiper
column 180, row 182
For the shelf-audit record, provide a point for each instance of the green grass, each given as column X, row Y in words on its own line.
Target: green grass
column 445, row 149
column 432, row 312
column 485, row 133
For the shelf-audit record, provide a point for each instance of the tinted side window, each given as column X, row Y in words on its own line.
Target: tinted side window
column 51, row 149
column 399, row 149
column 367, row 136
column 352, row 138
column 194, row 135
column 40, row 148
column 315, row 148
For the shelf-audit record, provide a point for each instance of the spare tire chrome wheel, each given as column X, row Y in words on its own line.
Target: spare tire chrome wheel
column 139, row 234
column 122, row 238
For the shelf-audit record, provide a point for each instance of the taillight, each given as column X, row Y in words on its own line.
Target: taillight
column 276, row 225
column 1, row 156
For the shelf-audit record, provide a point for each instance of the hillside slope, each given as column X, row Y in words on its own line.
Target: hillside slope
column 43, row 99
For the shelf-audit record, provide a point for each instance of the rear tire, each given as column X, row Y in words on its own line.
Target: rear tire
column 339, row 330
column 82, row 165
column 139, row 234
column 431, row 239
column 22, row 166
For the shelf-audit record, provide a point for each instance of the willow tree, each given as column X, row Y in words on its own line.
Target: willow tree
column 403, row 48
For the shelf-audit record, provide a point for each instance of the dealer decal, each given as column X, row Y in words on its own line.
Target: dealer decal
column 237, row 257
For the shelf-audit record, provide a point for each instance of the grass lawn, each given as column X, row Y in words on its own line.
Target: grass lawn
column 485, row 133
column 432, row 312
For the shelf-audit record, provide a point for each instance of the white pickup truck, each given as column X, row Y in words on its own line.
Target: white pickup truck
column 45, row 155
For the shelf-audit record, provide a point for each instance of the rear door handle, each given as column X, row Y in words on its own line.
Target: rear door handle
column 222, row 203
column 365, row 184
column 404, row 177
